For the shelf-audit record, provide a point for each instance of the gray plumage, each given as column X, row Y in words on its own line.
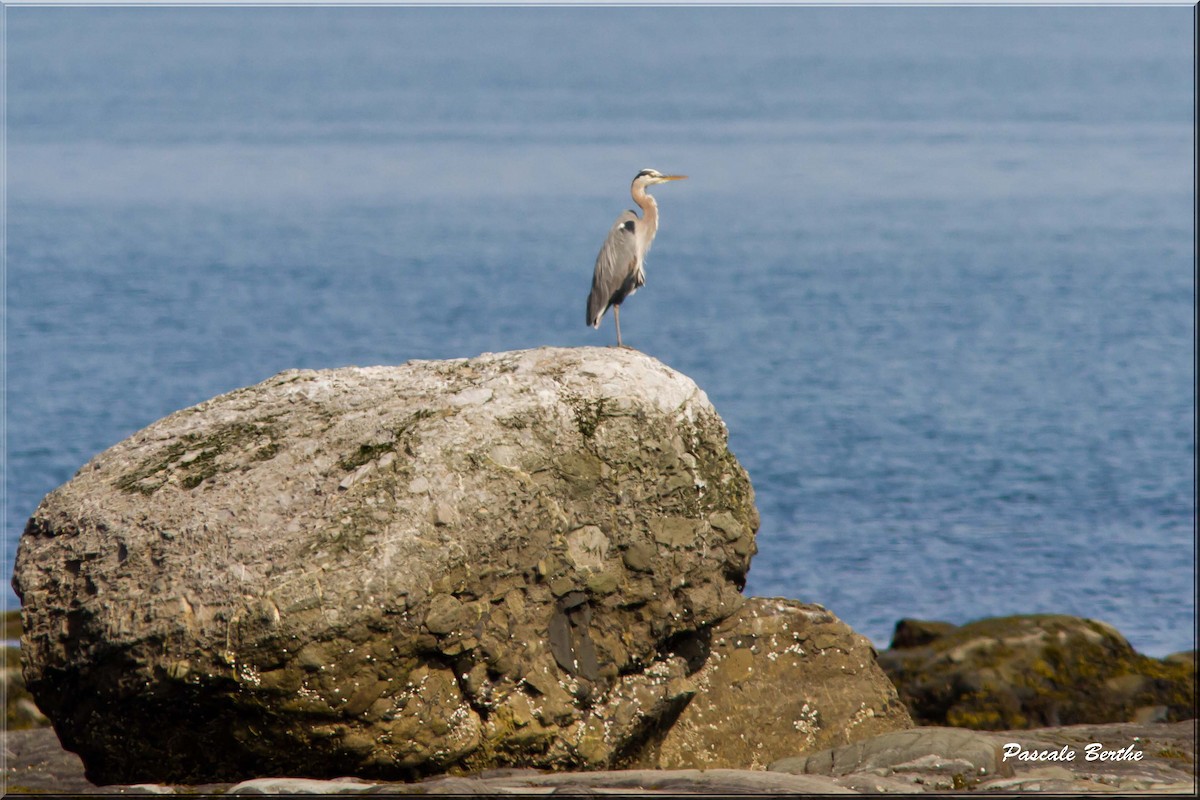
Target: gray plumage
column 620, row 266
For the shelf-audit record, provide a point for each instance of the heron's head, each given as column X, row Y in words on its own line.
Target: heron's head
column 649, row 177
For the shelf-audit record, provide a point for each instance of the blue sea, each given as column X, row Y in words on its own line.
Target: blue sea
column 934, row 266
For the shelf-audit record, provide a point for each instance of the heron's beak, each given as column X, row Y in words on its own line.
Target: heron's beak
column 666, row 178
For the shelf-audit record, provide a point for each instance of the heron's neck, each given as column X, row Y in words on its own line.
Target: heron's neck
column 649, row 210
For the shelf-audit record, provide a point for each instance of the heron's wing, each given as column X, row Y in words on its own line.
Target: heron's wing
column 616, row 275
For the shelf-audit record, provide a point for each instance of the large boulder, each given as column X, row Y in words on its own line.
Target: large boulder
column 1031, row 671
column 780, row 678
column 389, row 572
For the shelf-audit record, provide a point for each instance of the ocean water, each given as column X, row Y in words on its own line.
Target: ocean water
column 934, row 266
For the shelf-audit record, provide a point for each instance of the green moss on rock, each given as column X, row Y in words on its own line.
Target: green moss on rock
column 1035, row 670
column 193, row 458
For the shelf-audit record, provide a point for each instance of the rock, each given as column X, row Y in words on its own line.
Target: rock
column 1125, row 757
column 20, row 711
column 34, row 762
column 646, row 781
column 148, row 788
column 944, row 758
column 869, row 783
column 1041, row 779
column 389, row 572
column 782, row 678
column 1033, row 671
column 11, row 622
column 1185, row 657
column 26, row 714
column 918, row 632
column 300, row 786
column 1148, row 714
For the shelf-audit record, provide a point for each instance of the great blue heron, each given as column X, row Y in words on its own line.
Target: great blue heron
column 620, row 267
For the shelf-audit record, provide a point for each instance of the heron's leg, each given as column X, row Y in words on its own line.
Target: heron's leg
column 617, row 319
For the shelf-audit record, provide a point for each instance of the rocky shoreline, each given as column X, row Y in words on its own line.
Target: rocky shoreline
column 1153, row 757
column 517, row 573
column 918, row 760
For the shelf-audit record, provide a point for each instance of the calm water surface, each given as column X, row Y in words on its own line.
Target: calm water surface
column 933, row 266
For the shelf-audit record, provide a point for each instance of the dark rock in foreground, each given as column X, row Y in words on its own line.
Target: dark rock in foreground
column 921, row 760
column 1071, row 759
column 958, row 758
column 1033, row 671
column 389, row 572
